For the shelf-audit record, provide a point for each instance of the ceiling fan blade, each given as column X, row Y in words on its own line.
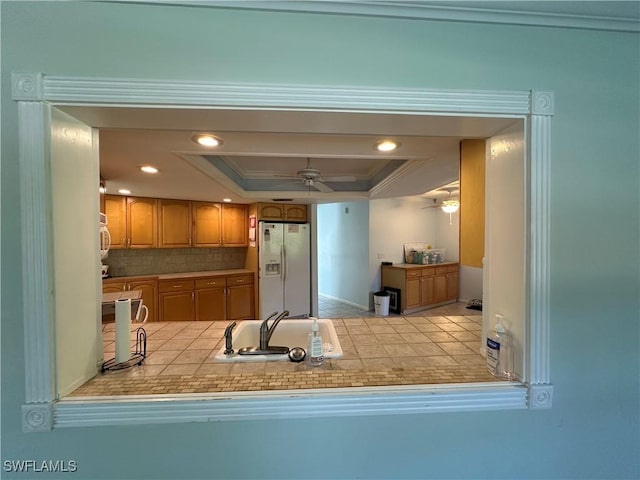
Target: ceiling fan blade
column 344, row 178
column 321, row 187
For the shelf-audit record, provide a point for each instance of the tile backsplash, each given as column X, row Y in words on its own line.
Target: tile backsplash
column 152, row 261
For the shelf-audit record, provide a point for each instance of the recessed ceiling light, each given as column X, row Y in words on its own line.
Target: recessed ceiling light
column 387, row 145
column 124, row 191
column 149, row 169
column 207, row 140
column 226, row 200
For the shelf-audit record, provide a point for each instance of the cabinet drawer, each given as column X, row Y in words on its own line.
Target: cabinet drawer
column 165, row 286
column 414, row 273
column 428, row 272
column 210, row 282
column 441, row 270
column 240, row 280
column 453, row 268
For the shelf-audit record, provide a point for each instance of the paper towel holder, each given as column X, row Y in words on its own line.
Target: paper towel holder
column 137, row 357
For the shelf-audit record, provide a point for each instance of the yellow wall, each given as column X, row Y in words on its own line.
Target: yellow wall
column 472, row 189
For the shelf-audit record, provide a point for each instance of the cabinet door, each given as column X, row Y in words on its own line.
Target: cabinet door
column 234, row 225
column 452, row 285
column 427, row 292
column 270, row 211
column 115, row 208
column 296, row 213
column 413, row 293
column 440, row 288
column 149, row 289
column 114, row 287
column 142, row 222
column 211, row 304
column 206, row 224
column 240, row 304
column 174, row 223
column 176, row 307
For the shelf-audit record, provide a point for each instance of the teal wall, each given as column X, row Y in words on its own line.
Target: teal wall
column 592, row 429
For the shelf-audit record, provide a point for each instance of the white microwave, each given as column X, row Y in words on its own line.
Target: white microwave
column 105, row 237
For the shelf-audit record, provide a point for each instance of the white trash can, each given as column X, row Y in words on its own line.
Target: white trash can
column 381, row 303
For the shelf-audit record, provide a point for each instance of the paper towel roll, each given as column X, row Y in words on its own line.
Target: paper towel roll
column 123, row 329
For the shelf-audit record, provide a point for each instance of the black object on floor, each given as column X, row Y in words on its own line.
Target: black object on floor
column 475, row 304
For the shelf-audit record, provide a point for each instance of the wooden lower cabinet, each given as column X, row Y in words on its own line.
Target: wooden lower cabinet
column 241, row 303
column 148, row 287
column 176, row 300
column 208, row 299
column 211, row 299
column 230, row 297
column 422, row 286
column 412, row 290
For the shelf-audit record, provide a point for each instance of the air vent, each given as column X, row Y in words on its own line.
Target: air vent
column 282, row 199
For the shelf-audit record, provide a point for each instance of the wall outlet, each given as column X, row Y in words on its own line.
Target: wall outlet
column 380, row 256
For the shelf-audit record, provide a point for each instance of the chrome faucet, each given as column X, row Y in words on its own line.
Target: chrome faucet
column 228, row 338
column 265, row 335
column 266, row 331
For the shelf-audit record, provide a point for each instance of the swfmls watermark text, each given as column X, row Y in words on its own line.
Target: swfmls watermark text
column 39, row 466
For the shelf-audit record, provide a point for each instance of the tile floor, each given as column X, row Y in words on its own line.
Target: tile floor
column 431, row 347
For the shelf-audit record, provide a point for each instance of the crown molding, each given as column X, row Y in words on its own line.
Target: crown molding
column 424, row 10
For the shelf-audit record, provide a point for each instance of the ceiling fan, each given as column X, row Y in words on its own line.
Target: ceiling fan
column 311, row 178
column 450, row 205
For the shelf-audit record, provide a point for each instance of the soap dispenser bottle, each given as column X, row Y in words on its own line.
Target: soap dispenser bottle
column 315, row 355
column 500, row 351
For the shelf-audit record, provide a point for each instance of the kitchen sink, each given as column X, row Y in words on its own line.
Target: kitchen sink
column 289, row 333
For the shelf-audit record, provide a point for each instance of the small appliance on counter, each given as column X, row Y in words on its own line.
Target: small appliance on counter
column 421, row 253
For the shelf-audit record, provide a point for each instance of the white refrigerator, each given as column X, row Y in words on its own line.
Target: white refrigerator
column 284, row 254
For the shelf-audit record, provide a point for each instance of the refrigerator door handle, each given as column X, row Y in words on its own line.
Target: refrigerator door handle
column 284, row 262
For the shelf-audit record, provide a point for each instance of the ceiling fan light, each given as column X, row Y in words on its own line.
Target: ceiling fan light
column 207, row 140
column 450, row 206
column 387, row 145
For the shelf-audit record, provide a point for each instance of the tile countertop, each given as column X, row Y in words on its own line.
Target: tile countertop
column 173, row 276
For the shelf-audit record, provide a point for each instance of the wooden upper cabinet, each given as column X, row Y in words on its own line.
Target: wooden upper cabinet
column 270, row 211
column 282, row 212
column 142, row 222
column 207, row 224
column 295, row 213
column 235, row 231
column 174, row 223
column 115, row 207
column 137, row 222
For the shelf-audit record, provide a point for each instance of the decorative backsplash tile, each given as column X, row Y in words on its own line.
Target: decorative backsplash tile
column 173, row 260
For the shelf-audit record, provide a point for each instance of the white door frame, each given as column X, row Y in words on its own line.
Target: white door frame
column 36, row 92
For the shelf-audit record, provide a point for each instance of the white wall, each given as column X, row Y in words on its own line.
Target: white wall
column 343, row 251
column 394, row 222
column 448, row 234
column 75, row 178
column 352, row 246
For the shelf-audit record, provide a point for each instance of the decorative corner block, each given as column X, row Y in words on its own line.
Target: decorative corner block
column 542, row 103
column 26, row 86
column 540, row 397
column 37, row 417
